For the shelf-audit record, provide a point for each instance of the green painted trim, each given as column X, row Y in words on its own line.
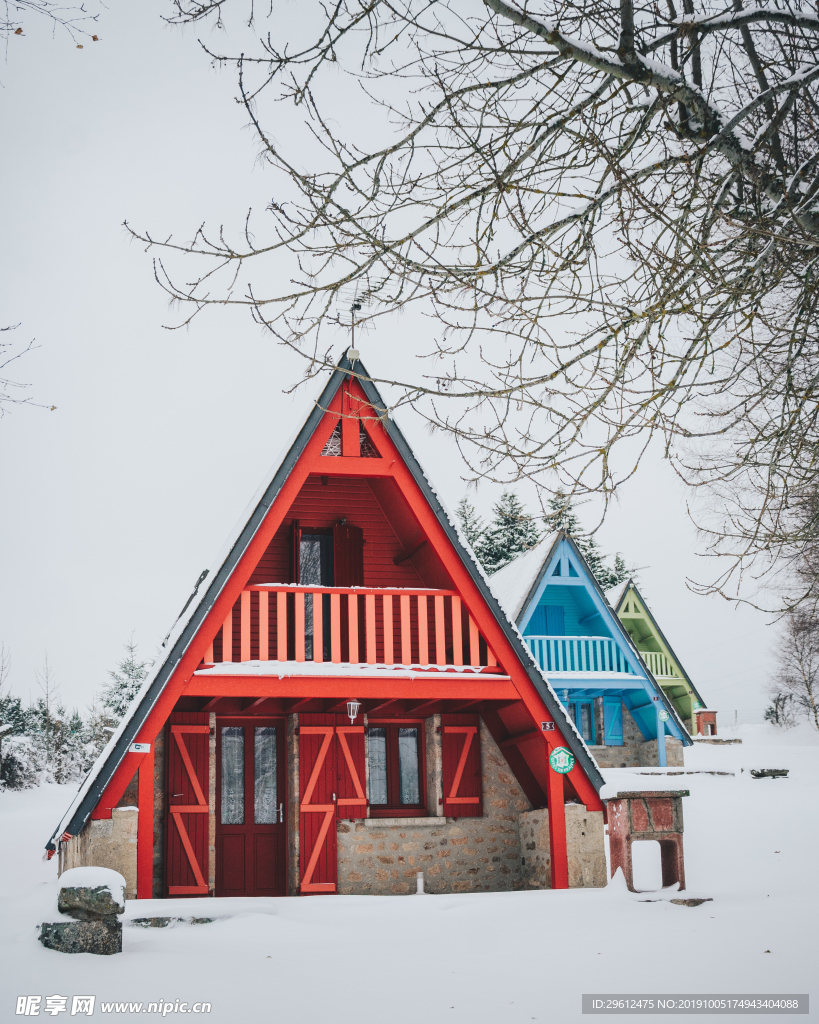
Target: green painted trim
column 682, row 702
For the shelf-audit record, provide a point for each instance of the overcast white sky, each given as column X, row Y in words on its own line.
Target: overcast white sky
column 113, row 504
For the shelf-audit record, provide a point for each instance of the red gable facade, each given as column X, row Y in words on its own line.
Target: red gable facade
column 343, row 706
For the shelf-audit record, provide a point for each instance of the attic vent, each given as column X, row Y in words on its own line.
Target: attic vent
column 556, row 570
column 572, row 570
column 333, row 446
column 368, row 449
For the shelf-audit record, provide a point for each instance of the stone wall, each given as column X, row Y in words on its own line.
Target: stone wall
column 673, row 753
column 636, row 751
column 106, row 843
column 584, row 843
column 380, row 856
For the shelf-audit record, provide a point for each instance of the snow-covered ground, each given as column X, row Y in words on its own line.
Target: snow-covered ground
column 750, row 844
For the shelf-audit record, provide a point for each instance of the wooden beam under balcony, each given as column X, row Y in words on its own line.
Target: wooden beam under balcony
column 386, row 686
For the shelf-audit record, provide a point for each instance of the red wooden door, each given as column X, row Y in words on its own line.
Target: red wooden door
column 351, row 794
column 332, row 786
column 186, row 827
column 251, row 842
column 461, row 757
column 317, row 810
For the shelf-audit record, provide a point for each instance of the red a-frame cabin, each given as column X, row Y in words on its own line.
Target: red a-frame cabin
column 343, row 705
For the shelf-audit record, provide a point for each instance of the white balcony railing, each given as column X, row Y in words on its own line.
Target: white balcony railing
column 587, row 654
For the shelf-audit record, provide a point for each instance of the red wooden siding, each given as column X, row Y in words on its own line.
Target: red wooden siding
column 187, row 802
column 318, row 506
column 461, row 756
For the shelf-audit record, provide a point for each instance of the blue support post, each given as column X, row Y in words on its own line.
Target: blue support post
column 662, row 761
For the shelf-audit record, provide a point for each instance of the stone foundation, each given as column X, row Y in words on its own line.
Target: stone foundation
column 584, row 843
column 673, row 753
column 636, row 751
column 110, row 843
column 380, row 856
column 507, row 849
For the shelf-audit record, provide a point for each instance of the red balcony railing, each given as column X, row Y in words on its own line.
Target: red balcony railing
column 350, row 626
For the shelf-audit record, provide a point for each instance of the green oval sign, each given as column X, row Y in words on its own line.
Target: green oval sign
column 664, row 715
column 562, row 760
column 696, row 705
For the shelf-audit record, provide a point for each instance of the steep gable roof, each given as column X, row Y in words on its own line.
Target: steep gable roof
column 619, row 599
column 186, row 629
column 513, row 584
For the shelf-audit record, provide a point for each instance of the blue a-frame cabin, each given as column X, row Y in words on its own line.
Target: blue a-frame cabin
column 588, row 657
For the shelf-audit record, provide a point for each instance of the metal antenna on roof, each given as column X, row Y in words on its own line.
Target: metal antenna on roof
column 352, row 301
column 352, row 351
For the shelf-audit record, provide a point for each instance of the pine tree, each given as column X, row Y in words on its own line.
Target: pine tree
column 563, row 517
column 98, row 727
column 511, row 532
column 123, row 685
column 47, row 743
column 472, row 526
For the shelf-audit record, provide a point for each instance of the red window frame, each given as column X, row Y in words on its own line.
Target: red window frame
column 394, row 808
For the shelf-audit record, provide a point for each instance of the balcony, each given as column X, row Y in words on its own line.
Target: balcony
column 354, row 626
column 578, row 654
column 659, row 665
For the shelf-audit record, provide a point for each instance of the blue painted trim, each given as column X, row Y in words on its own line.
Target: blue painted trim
column 662, row 759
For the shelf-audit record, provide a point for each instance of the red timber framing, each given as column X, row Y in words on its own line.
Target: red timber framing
column 503, row 686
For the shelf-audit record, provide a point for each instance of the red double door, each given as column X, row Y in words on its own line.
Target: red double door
column 251, row 806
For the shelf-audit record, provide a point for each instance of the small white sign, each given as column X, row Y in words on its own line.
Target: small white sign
column 139, row 748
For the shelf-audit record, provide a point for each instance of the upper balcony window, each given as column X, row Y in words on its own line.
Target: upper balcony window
column 547, row 620
column 327, row 557
column 316, row 559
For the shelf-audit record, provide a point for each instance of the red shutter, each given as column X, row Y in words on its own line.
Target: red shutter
column 187, row 802
column 461, row 756
column 352, row 794
column 348, row 555
column 317, row 820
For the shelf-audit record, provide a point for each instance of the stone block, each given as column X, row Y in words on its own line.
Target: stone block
column 102, row 936
column 84, row 903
